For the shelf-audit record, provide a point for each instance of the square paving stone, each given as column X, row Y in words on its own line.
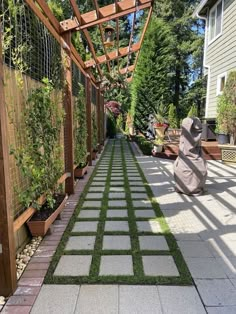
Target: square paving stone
column 80, row 243
column 55, row 299
column 148, row 226
column 116, row 242
column 73, row 265
column 116, row 189
column 135, row 178
column 135, row 183
column 137, row 189
column 100, row 179
column 145, row 213
column 94, row 196
column 116, row 226
column 96, row 189
column 139, row 300
column 153, row 243
column 117, row 195
column 89, row 213
column 139, row 196
column 116, row 265
column 100, row 299
column 159, row 266
column 114, row 178
column 85, row 226
column 117, row 203
column 142, row 203
column 93, row 204
column 98, row 183
column 194, row 249
column 119, row 213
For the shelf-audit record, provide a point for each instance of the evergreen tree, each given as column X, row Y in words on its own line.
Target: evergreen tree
column 193, row 111
column 172, row 119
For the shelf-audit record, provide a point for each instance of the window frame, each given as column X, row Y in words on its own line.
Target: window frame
column 219, row 78
column 208, row 20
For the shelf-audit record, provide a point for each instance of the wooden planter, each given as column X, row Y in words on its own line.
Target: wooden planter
column 40, row 228
column 80, row 172
column 228, row 153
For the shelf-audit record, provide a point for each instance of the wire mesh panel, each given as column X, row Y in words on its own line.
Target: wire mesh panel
column 30, row 54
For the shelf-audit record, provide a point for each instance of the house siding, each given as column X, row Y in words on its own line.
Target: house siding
column 221, row 55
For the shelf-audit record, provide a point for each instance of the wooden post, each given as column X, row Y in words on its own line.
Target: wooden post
column 98, row 106
column 89, row 119
column 103, row 132
column 7, row 243
column 68, row 125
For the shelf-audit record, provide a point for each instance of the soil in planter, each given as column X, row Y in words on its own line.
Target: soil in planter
column 45, row 211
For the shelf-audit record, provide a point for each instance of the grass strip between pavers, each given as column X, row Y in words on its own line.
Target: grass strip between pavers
column 139, row 277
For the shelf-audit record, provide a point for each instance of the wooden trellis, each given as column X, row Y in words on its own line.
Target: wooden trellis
column 62, row 32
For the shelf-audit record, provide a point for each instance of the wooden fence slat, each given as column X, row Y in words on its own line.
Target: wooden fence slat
column 7, row 243
column 98, row 114
column 89, row 119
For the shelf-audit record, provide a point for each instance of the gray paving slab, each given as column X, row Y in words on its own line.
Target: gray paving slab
column 80, row 243
column 96, row 189
column 194, row 249
column 139, row 300
column 184, row 300
column 54, row 299
column 116, row 189
column 121, row 213
column 135, row 183
column 153, row 243
column 117, row 183
column 145, row 213
column 73, row 265
column 120, row 203
column 137, row 189
column 142, row 204
column 117, row 195
column 101, row 299
column 94, row 196
column 217, row 292
column 148, row 226
column 89, row 213
column 114, row 178
column 116, row 226
column 116, row 242
column 92, row 204
column 159, row 266
column 136, row 179
column 139, row 196
column 116, row 265
column 205, row 268
column 85, row 226
column 221, row 310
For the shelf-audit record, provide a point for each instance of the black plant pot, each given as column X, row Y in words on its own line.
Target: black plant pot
column 223, row 138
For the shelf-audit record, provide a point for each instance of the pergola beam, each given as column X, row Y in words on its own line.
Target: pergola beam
column 110, row 12
column 113, row 55
column 125, row 70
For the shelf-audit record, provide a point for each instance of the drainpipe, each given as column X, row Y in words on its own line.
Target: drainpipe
column 204, row 58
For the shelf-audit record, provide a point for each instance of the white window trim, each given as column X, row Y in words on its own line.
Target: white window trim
column 219, row 77
column 216, row 37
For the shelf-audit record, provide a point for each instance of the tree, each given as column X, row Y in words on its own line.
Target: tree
column 172, row 119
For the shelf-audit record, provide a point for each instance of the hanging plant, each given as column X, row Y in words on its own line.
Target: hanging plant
column 80, row 128
column 39, row 160
column 94, row 132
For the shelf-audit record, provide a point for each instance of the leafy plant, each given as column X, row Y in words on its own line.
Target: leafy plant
column 158, row 141
column 193, row 112
column 172, row 117
column 111, row 125
column 39, row 160
column 94, row 132
column 119, row 123
column 80, row 128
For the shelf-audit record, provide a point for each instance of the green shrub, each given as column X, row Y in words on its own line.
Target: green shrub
column 144, row 145
column 193, row 112
column 172, row 117
column 111, row 126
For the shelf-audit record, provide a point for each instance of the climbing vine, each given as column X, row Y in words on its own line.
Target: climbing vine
column 39, row 159
column 80, row 128
column 94, row 132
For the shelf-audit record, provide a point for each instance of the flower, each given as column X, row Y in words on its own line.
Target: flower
column 158, row 125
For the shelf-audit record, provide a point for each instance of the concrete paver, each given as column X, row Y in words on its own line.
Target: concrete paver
column 159, row 266
column 116, row 265
column 80, row 243
column 153, row 243
column 73, row 265
column 117, row 242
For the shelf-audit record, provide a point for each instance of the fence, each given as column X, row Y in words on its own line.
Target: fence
column 32, row 49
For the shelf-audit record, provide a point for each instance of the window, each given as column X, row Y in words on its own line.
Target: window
column 221, row 80
column 215, row 21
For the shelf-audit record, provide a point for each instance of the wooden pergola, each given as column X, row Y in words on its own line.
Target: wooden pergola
column 62, row 31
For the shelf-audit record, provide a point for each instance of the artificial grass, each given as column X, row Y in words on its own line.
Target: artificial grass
column 139, row 277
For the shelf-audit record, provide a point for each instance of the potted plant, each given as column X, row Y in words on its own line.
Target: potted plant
column 80, row 134
column 94, row 136
column 39, row 158
column 158, row 145
column 222, row 119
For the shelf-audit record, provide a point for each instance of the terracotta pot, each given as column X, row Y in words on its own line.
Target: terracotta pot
column 80, row 172
column 160, row 131
column 40, row 228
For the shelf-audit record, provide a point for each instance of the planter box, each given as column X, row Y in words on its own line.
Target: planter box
column 40, row 228
column 228, row 153
column 94, row 155
column 80, row 172
column 158, row 148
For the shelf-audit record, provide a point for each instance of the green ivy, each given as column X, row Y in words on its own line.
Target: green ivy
column 80, row 128
column 39, row 160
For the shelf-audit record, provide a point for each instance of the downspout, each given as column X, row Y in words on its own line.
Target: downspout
column 204, row 59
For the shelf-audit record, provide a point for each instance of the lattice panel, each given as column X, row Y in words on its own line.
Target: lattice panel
column 228, row 155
